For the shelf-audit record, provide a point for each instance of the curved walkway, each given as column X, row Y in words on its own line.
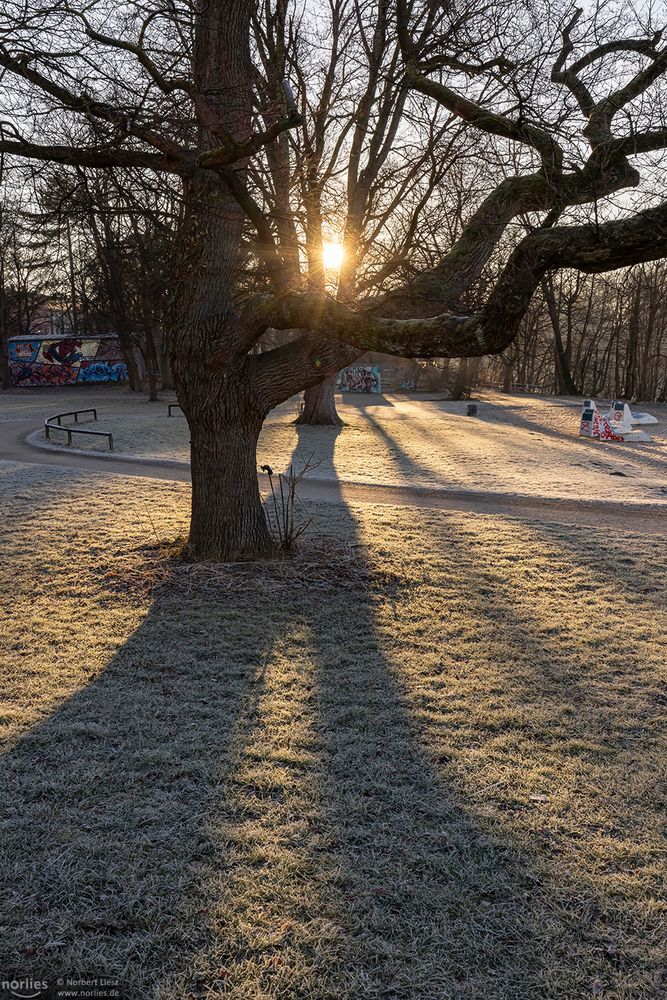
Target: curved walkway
column 645, row 518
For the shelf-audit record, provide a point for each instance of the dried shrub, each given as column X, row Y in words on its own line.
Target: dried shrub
column 286, row 513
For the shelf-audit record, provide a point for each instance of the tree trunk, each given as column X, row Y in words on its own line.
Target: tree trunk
column 5, row 373
column 213, row 377
column 127, row 348
column 565, row 385
column 319, row 405
column 152, row 384
column 508, row 364
column 228, row 522
column 165, row 370
column 562, row 355
column 461, row 387
column 152, row 366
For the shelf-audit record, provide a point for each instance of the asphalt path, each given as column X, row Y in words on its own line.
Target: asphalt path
column 645, row 518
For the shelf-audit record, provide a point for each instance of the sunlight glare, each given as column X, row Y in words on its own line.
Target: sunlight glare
column 332, row 256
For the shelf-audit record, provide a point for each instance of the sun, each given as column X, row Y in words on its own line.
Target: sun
column 332, row 256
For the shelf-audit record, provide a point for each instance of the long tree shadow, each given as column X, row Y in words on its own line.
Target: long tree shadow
column 245, row 803
column 404, row 462
column 423, row 474
column 364, row 400
column 424, row 898
column 571, row 692
column 106, row 804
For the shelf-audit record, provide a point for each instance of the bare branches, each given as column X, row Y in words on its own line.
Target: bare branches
column 488, row 121
column 88, row 106
column 601, row 113
column 362, row 150
column 419, row 64
column 569, row 77
column 167, row 86
column 598, row 129
column 96, row 158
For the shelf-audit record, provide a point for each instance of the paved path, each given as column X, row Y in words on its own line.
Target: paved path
column 646, row 518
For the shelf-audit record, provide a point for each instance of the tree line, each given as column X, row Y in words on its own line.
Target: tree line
column 96, row 259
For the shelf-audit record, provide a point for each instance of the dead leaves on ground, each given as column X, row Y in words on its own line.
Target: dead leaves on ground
column 326, row 564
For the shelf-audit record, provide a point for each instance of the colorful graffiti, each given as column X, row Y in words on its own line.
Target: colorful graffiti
column 65, row 360
column 360, row 378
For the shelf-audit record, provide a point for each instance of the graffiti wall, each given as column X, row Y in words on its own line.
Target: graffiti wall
column 65, row 360
column 360, row 378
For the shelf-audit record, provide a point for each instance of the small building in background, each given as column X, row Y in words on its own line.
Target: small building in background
column 394, row 374
column 359, row 378
column 49, row 360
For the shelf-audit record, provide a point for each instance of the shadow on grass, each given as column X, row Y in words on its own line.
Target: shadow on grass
column 364, row 400
column 403, row 462
column 106, row 803
column 649, row 454
column 246, row 804
column 383, row 881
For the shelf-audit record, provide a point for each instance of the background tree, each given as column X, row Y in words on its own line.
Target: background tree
column 347, row 186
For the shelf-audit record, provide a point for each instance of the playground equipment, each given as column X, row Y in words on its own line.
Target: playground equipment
column 594, row 425
column 621, row 414
column 586, row 422
column 616, row 425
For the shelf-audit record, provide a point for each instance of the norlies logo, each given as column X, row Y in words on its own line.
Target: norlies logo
column 25, row 988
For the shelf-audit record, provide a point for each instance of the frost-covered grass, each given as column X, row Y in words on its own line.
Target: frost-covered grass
column 423, row 760
column 517, row 444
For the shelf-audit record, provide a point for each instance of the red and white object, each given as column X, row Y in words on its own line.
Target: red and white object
column 619, row 416
column 603, row 429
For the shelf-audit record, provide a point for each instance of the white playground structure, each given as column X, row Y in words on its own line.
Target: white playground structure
column 616, row 424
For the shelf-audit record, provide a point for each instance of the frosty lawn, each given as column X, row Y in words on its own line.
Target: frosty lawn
column 422, row 760
column 517, row 444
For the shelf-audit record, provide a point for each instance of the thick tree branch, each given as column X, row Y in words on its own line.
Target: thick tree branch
column 101, row 158
column 444, row 284
column 589, row 248
column 641, row 142
column 298, row 365
column 232, row 150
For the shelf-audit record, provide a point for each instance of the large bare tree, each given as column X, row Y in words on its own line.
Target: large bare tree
column 171, row 88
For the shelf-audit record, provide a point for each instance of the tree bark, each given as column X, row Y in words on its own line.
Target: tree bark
column 319, row 405
column 127, row 348
column 165, row 369
column 152, row 365
column 565, row 385
column 228, row 522
column 5, row 373
column 508, row 364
